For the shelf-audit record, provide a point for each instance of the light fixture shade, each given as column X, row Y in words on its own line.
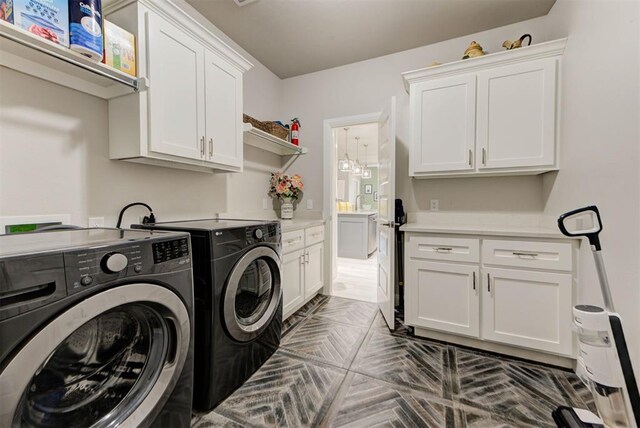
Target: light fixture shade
column 366, row 172
column 357, row 170
column 344, row 165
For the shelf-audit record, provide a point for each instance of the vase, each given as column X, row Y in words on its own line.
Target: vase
column 286, row 209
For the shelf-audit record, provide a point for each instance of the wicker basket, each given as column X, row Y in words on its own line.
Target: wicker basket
column 269, row 127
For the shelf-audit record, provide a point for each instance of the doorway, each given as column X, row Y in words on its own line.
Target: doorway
column 353, row 261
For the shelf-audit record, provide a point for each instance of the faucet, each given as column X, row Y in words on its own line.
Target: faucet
column 359, row 196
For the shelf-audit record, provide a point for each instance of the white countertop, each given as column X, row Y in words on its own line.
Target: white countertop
column 486, row 229
column 357, row 213
column 297, row 224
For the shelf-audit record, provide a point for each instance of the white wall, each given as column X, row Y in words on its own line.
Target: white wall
column 54, row 155
column 600, row 153
column 599, row 135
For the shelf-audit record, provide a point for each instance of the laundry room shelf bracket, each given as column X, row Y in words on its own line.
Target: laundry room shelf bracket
column 29, row 54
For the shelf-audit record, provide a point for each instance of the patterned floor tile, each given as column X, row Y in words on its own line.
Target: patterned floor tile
column 369, row 402
column 520, row 393
column 290, row 323
column 216, row 420
column 285, row 392
column 312, row 305
column 352, row 312
column 408, row 362
column 379, row 325
column 326, row 341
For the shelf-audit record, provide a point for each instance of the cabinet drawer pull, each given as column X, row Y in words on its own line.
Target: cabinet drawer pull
column 521, row 254
column 489, row 282
column 316, row 234
column 306, row 256
column 474, row 280
column 302, row 259
column 444, row 249
column 211, row 147
column 202, row 146
column 484, row 156
column 470, row 158
column 291, row 241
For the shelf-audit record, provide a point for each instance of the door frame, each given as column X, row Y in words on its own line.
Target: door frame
column 330, row 177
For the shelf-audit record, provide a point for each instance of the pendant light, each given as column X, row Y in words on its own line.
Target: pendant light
column 357, row 168
column 366, row 172
column 344, row 165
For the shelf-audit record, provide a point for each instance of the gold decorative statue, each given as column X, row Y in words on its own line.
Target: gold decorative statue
column 508, row 44
column 474, row 50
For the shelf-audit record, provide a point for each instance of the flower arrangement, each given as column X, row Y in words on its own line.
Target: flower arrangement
column 284, row 186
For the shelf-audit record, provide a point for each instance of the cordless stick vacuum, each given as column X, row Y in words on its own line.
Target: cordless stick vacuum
column 604, row 364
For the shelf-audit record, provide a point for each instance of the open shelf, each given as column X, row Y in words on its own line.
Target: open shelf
column 265, row 141
column 30, row 54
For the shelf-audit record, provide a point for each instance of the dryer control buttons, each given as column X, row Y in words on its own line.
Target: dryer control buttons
column 114, row 262
column 257, row 233
column 86, row 280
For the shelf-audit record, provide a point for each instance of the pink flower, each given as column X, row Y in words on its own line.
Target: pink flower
column 282, row 187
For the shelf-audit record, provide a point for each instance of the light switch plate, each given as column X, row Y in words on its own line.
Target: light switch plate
column 309, row 204
column 435, row 204
column 265, row 203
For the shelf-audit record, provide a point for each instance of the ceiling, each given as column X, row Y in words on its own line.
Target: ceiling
column 294, row 37
column 368, row 134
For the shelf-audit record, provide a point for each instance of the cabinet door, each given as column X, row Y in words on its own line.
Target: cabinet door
column 443, row 125
column 292, row 281
column 176, row 90
column 443, row 296
column 314, row 270
column 517, row 115
column 223, row 112
column 528, row 309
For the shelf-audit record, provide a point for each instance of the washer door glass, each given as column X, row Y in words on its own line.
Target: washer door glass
column 252, row 294
column 100, row 373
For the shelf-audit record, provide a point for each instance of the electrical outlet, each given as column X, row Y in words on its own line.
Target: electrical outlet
column 435, row 204
column 265, row 203
column 309, row 204
column 96, row 222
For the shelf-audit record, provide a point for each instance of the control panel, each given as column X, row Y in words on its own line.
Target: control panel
column 93, row 266
column 169, row 250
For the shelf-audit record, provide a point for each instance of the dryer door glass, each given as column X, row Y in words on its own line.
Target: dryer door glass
column 252, row 295
column 100, row 373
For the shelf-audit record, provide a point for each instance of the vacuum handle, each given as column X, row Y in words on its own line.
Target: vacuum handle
column 572, row 224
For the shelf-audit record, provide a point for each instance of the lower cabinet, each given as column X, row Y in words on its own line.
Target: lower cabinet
column 293, row 280
column 444, row 297
column 512, row 292
column 314, row 270
column 302, row 267
column 528, row 309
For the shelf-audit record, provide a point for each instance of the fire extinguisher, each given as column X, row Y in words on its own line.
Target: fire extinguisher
column 295, row 126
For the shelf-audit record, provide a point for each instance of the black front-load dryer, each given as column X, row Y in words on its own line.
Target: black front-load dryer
column 237, row 285
column 96, row 329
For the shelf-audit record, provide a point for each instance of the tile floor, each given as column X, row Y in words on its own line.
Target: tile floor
column 339, row 365
column 356, row 279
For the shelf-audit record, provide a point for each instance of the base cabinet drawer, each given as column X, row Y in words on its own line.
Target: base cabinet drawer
column 292, row 241
column 314, row 235
column 528, row 254
column 528, row 309
column 444, row 297
column 443, row 248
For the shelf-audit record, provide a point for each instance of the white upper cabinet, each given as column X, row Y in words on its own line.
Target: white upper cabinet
column 190, row 115
column 517, row 115
column 443, row 116
column 493, row 115
column 176, row 94
column 223, row 95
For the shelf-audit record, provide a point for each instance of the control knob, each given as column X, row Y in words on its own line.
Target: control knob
column 257, row 233
column 114, row 262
